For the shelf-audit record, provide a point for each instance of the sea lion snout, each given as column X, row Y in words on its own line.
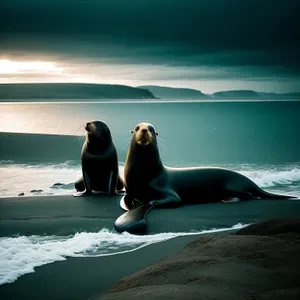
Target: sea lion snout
column 94, row 126
column 143, row 137
column 86, row 127
column 143, row 134
column 90, row 126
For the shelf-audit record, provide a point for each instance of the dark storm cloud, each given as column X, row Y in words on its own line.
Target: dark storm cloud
column 227, row 33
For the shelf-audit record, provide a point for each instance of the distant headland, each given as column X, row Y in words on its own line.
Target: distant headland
column 70, row 91
column 191, row 94
column 164, row 92
column 94, row 92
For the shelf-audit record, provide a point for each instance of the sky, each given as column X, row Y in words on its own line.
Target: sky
column 207, row 45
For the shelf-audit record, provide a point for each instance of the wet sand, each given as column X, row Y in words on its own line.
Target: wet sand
column 64, row 215
column 258, row 262
column 39, row 148
column 82, row 278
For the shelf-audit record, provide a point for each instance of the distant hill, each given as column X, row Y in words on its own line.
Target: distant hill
column 174, row 93
column 279, row 96
column 71, row 91
column 63, row 91
column 238, row 94
column 252, row 95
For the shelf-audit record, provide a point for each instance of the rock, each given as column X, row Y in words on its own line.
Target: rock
column 224, row 267
column 272, row 227
column 56, row 185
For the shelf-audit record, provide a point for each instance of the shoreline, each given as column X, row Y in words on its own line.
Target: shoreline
column 92, row 277
column 38, row 147
column 141, row 101
column 257, row 262
column 82, row 278
column 64, row 215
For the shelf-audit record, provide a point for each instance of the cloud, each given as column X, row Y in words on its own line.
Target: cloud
column 154, row 39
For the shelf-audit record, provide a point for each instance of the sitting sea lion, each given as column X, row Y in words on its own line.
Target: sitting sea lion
column 149, row 183
column 99, row 161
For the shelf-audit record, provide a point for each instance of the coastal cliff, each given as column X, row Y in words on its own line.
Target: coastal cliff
column 71, row 91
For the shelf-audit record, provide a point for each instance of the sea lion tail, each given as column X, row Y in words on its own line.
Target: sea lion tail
column 266, row 195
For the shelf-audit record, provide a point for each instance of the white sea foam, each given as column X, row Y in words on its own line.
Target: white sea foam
column 23, row 178
column 273, row 177
column 21, row 255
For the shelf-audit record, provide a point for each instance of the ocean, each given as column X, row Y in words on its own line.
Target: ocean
column 260, row 139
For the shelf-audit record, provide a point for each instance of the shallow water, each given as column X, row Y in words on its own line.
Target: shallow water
column 20, row 255
column 258, row 139
column 189, row 133
column 38, row 179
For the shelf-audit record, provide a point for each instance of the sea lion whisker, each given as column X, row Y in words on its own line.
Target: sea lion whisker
column 127, row 140
column 125, row 144
column 80, row 138
column 80, row 132
column 160, row 143
column 80, row 127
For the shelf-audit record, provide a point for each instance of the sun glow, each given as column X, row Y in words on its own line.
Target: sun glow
column 20, row 67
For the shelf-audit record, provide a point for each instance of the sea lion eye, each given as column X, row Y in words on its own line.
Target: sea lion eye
column 151, row 128
column 137, row 128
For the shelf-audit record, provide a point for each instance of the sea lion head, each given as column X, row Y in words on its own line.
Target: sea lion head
column 97, row 131
column 144, row 134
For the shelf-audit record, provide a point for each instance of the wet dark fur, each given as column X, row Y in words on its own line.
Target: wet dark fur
column 99, row 161
column 148, row 180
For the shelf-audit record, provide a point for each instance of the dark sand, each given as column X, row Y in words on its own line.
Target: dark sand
column 39, row 148
column 64, row 215
column 81, row 278
column 262, row 263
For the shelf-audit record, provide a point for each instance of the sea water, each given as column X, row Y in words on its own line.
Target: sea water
column 258, row 139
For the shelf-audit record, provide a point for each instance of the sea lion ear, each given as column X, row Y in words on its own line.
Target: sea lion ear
column 156, row 133
column 131, row 131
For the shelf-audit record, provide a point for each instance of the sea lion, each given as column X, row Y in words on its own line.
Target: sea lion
column 99, row 161
column 149, row 183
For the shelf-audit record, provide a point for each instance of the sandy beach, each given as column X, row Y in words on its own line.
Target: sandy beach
column 39, row 148
column 210, row 90
column 64, row 215
column 258, row 262
column 81, row 278
column 91, row 277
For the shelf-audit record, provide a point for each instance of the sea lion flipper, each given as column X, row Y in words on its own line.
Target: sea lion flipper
column 80, row 194
column 123, row 203
column 127, row 202
column 133, row 221
column 170, row 199
column 231, row 200
column 87, row 185
column 87, row 182
column 112, row 183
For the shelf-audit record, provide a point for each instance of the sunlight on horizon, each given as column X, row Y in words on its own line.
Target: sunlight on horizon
column 48, row 72
column 99, row 72
column 16, row 67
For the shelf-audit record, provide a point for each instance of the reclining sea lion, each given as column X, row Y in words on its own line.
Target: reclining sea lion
column 149, row 183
